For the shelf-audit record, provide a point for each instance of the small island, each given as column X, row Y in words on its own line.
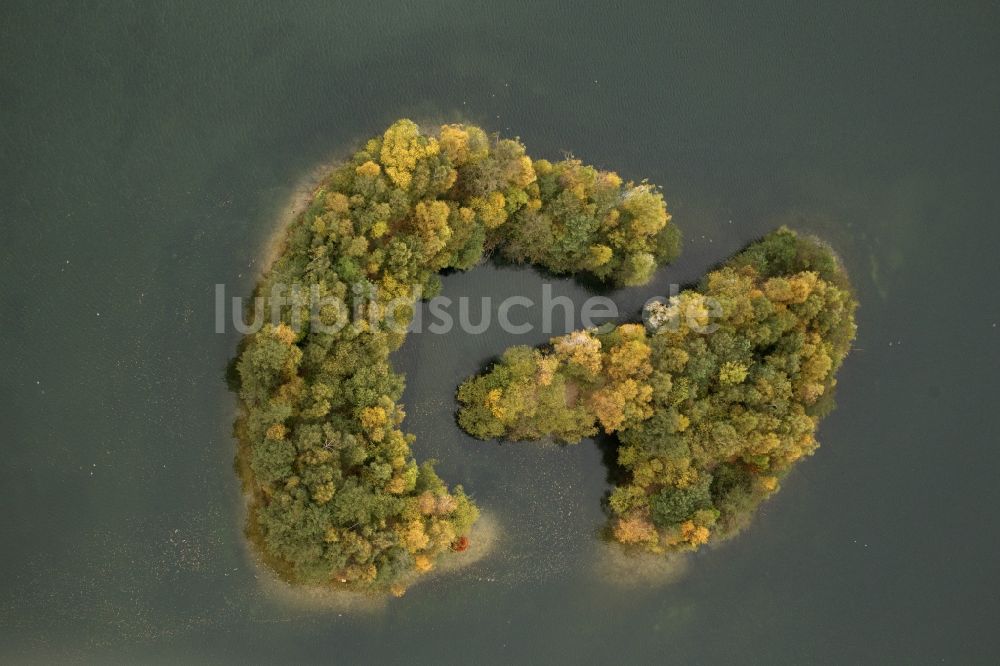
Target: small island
column 712, row 401
column 335, row 495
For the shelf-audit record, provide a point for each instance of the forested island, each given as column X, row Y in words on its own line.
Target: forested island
column 335, row 495
column 712, row 401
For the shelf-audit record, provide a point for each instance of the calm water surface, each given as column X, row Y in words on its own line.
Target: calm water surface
column 148, row 150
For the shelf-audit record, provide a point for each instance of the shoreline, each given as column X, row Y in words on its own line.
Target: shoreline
column 483, row 538
column 303, row 192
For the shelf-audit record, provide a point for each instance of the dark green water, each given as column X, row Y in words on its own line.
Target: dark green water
column 148, row 149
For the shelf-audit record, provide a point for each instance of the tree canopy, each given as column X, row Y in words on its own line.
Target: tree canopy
column 336, row 495
column 710, row 412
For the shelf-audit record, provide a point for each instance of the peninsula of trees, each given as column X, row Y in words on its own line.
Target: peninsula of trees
column 712, row 401
column 336, row 496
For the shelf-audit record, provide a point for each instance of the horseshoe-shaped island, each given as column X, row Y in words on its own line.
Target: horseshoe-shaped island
column 713, row 400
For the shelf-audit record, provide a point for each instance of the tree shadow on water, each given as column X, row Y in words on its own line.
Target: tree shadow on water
column 615, row 474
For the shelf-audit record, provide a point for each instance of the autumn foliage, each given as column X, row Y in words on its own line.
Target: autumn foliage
column 337, row 497
column 710, row 414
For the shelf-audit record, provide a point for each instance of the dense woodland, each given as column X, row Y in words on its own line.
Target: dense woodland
column 336, row 496
column 712, row 401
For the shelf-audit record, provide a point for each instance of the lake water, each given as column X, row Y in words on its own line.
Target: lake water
column 148, row 150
